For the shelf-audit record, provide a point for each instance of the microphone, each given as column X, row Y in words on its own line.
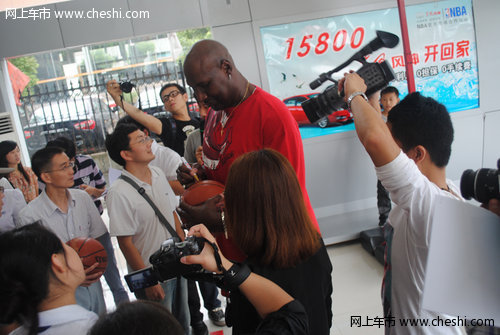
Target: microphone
column 383, row 39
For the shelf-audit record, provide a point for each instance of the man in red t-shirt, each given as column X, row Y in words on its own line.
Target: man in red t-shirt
column 242, row 118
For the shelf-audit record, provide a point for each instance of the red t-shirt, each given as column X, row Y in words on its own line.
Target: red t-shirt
column 261, row 121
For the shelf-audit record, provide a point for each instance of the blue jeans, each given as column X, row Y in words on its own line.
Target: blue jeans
column 176, row 300
column 112, row 275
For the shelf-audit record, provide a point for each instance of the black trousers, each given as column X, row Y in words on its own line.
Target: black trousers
column 383, row 203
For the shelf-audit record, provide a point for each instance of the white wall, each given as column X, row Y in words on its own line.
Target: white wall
column 340, row 177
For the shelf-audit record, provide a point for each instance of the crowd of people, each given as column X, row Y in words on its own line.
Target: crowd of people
column 261, row 235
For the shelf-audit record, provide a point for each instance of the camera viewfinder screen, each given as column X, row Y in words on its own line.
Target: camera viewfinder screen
column 141, row 279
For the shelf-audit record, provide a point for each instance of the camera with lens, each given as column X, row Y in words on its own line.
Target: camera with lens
column 482, row 185
column 165, row 263
column 375, row 75
column 126, row 86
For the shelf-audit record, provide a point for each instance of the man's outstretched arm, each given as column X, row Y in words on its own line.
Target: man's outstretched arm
column 149, row 121
column 371, row 129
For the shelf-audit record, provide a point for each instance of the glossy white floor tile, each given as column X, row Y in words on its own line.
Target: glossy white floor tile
column 357, row 279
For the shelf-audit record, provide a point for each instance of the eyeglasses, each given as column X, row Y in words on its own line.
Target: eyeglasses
column 172, row 94
column 70, row 165
column 142, row 140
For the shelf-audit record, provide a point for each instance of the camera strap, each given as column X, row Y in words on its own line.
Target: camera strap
column 232, row 278
column 142, row 192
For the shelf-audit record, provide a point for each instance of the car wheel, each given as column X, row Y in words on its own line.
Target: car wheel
column 323, row 122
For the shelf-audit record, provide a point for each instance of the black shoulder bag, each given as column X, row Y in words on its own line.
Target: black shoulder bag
column 142, row 192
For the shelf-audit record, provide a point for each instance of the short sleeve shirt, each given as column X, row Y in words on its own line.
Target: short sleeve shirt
column 88, row 173
column 175, row 138
column 166, row 159
column 262, row 121
column 408, row 243
column 192, row 143
column 81, row 220
column 13, row 202
column 131, row 215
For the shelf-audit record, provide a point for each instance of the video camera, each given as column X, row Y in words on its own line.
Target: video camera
column 165, row 263
column 482, row 185
column 375, row 75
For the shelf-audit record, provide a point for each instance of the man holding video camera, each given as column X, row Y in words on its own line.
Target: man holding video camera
column 410, row 157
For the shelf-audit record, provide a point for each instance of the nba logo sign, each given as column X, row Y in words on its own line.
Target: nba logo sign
column 455, row 12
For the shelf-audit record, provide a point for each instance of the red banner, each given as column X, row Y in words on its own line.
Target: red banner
column 18, row 79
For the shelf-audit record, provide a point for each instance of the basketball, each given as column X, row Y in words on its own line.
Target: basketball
column 90, row 251
column 202, row 191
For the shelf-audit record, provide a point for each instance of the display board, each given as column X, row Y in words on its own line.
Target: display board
column 442, row 40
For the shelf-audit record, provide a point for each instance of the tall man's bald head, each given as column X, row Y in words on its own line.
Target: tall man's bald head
column 210, row 71
column 207, row 51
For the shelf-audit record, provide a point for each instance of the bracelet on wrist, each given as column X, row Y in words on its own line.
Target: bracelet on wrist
column 353, row 95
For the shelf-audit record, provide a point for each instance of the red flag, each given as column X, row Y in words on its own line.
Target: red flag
column 18, row 79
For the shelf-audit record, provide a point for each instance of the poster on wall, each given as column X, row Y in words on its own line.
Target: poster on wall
column 442, row 41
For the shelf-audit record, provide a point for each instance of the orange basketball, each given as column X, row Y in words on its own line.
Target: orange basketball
column 202, row 191
column 90, row 251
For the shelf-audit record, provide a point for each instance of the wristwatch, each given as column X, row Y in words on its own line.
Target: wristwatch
column 353, row 95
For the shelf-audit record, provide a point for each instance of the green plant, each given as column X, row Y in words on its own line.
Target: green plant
column 145, row 47
column 102, row 60
column 190, row 37
column 29, row 66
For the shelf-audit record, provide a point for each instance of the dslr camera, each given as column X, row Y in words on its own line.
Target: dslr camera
column 482, row 185
column 126, row 86
column 165, row 263
column 375, row 75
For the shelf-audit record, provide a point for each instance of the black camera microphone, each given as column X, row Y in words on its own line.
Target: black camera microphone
column 383, row 39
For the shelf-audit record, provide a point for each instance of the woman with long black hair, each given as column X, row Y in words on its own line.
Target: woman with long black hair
column 22, row 178
column 38, row 278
